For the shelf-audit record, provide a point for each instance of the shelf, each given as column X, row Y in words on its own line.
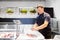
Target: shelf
column 7, row 30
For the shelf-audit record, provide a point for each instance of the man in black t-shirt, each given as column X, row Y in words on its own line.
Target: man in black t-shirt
column 42, row 23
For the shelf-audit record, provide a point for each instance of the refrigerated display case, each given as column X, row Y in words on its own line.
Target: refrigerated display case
column 26, row 33
column 7, row 31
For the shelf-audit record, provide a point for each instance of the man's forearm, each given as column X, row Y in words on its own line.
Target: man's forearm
column 43, row 26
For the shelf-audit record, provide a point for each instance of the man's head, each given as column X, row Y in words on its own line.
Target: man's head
column 40, row 9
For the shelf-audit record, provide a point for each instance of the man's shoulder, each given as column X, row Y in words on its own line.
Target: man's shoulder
column 46, row 14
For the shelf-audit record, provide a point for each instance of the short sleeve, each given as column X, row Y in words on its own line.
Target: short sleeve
column 47, row 18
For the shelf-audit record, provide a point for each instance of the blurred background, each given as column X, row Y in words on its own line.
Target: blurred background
column 25, row 12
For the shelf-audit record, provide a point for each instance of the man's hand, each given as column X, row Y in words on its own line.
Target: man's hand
column 44, row 25
column 35, row 28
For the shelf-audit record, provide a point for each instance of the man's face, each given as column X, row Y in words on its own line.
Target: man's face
column 40, row 10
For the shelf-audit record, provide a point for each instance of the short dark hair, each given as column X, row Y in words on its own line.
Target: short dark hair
column 40, row 6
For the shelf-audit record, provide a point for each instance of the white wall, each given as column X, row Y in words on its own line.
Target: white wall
column 19, row 4
column 56, row 5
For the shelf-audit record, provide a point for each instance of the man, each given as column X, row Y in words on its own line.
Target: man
column 42, row 23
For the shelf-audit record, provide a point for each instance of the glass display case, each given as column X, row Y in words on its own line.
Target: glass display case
column 7, row 31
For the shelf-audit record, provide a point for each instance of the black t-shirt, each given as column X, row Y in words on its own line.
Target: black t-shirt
column 40, row 20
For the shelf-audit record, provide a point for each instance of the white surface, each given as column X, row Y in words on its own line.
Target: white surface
column 24, row 36
column 57, row 37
